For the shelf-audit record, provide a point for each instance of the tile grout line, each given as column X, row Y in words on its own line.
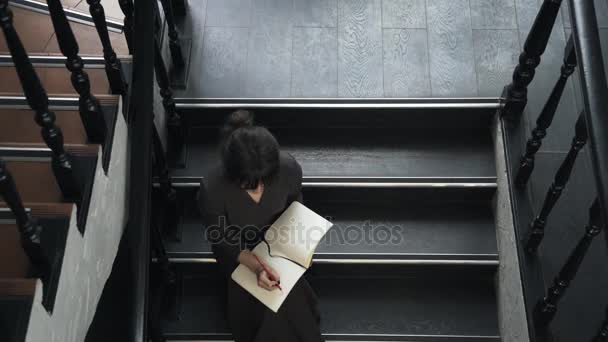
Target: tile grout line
column 382, row 45
column 428, row 46
column 473, row 45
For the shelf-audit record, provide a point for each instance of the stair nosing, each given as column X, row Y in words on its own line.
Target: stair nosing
column 368, row 182
column 72, row 15
column 61, row 102
column 226, row 337
column 58, row 61
column 337, row 103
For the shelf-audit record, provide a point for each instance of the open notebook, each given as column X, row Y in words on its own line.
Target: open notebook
column 292, row 239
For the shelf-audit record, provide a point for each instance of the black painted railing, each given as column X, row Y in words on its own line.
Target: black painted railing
column 90, row 109
column 38, row 100
column 114, row 70
column 591, row 129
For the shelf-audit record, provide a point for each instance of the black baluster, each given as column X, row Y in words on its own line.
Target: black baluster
column 169, row 194
column 127, row 9
column 537, row 227
column 174, row 45
column 516, row 93
column 38, row 100
column 546, row 309
column 29, row 229
column 175, row 125
column 179, row 7
column 113, row 65
column 90, row 110
column 602, row 334
column 546, row 117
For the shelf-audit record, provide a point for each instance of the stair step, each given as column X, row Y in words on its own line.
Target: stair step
column 54, row 75
column 352, row 309
column 35, row 164
column 402, row 143
column 377, row 226
column 364, row 157
column 38, row 36
column 16, row 298
column 19, row 130
column 75, row 14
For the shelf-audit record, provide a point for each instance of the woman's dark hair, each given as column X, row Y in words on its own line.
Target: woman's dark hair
column 250, row 153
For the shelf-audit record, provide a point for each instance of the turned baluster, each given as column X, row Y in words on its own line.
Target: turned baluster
column 113, row 66
column 537, row 227
column 90, row 110
column 602, row 334
column 174, row 45
column 169, row 194
column 38, row 100
column 127, row 9
column 546, row 117
column 546, row 309
column 174, row 122
column 29, row 229
column 516, row 93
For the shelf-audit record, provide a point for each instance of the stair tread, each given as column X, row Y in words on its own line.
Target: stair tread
column 363, row 155
column 432, row 232
column 38, row 36
column 18, row 126
column 429, row 307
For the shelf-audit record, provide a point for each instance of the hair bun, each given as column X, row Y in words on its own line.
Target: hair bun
column 238, row 119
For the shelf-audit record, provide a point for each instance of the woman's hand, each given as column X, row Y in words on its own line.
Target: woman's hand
column 266, row 280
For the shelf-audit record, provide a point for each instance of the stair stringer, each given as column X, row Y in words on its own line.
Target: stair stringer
column 88, row 259
column 512, row 319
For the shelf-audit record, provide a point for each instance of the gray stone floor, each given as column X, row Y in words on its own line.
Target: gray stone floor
column 363, row 48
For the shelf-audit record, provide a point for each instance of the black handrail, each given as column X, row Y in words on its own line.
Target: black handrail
column 594, row 89
column 140, row 176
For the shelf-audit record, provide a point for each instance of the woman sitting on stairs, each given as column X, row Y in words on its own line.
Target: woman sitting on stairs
column 250, row 187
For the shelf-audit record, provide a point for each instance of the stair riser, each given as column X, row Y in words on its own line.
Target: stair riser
column 55, row 80
column 317, row 196
column 18, row 126
column 340, row 113
column 447, row 272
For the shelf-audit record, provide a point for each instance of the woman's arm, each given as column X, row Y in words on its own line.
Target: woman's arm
column 226, row 242
column 294, row 181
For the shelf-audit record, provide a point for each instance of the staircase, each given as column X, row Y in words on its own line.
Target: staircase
column 49, row 184
column 409, row 186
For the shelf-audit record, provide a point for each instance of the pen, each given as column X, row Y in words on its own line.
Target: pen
column 265, row 269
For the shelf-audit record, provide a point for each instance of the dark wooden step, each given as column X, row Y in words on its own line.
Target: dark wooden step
column 352, row 142
column 381, row 157
column 357, row 309
column 33, row 174
column 16, row 298
column 375, row 226
column 38, row 36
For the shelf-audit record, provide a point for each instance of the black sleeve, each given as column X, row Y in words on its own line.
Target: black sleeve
column 294, row 181
column 225, row 244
